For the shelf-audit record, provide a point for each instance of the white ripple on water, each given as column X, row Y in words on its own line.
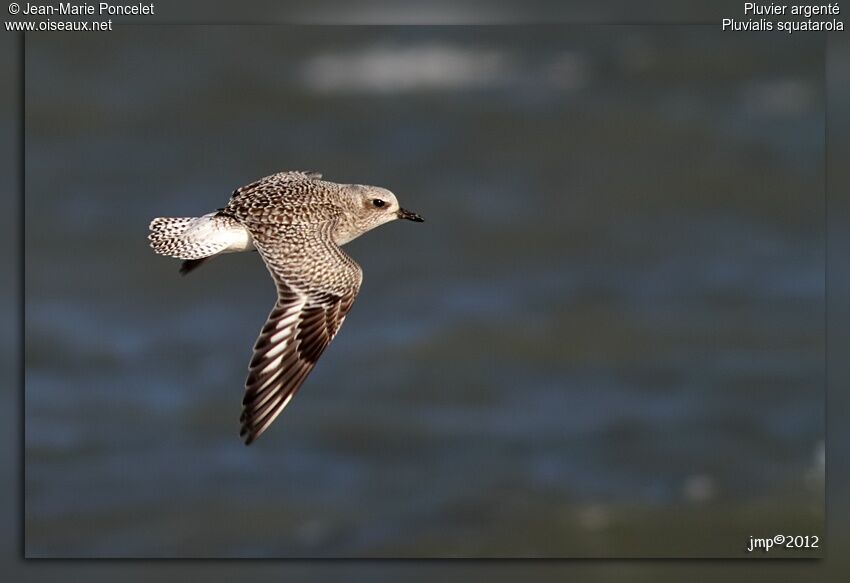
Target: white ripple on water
column 393, row 69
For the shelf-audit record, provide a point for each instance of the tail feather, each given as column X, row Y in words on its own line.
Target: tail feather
column 196, row 238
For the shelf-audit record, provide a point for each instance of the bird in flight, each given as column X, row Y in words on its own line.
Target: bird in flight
column 297, row 222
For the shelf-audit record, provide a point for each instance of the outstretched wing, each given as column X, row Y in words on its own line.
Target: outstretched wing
column 313, row 299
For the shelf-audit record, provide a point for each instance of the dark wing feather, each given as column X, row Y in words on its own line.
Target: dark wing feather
column 304, row 320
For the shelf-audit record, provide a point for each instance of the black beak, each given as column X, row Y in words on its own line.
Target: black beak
column 405, row 214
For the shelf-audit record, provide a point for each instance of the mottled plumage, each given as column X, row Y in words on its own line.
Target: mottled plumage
column 296, row 222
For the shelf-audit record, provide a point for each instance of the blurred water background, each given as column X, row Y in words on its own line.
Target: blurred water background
column 606, row 340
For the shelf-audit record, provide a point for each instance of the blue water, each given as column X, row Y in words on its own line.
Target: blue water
column 608, row 334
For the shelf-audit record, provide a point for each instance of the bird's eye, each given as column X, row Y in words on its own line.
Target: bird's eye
column 377, row 202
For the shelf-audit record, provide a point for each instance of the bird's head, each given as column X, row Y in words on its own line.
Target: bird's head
column 369, row 207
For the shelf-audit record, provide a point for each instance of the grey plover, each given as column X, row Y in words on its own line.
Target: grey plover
column 297, row 222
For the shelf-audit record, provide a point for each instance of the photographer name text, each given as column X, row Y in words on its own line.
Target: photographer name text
column 99, row 9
